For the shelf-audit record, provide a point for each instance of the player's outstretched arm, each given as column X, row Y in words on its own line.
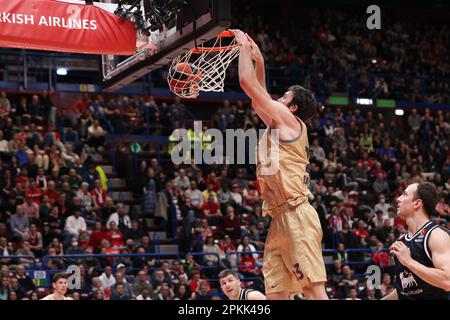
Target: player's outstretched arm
column 260, row 70
column 439, row 245
column 249, row 83
column 255, row 295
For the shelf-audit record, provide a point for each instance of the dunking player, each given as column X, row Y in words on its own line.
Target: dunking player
column 59, row 284
column 231, row 287
column 422, row 256
column 293, row 260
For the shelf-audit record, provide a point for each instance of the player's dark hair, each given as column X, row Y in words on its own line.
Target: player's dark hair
column 305, row 102
column 227, row 272
column 58, row 276
column 427, row 192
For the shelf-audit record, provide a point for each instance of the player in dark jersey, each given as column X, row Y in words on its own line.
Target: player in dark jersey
column 422, row 256
column 231, row 287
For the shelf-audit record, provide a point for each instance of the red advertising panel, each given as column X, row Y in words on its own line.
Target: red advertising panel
column 58, row 26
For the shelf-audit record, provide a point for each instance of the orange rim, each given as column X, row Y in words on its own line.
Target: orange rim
column 223, row 34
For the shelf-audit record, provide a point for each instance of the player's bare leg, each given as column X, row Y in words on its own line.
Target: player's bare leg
column 284, row 295
column 315, row 291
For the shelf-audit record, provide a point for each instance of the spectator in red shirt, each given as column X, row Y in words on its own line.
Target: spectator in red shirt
column 361, row 231
column 381, row 257
column 114, row 236
column 227, row 246
column 34, row 193
column 196, row 279
column 247, row 263
column 51, row 192
column 23, row 178
column 335, row 221
column 211, row 211
column 231, row 224
column 205, row 230
column 251, row 197
column 97, row 235
column 212, row 179
column 99, row 195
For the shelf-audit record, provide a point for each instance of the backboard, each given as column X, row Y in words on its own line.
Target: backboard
column 196, row 22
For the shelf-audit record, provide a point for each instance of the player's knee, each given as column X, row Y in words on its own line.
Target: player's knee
column 315, row 291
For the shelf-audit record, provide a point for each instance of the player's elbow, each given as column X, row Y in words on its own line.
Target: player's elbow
column 244, row 81
column 446, row 285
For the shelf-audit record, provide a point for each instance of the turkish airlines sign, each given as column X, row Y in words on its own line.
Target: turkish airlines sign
column 67, row 27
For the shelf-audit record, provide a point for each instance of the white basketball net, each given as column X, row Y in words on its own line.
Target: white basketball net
column 208, row 63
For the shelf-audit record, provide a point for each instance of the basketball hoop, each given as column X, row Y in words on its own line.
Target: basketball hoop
column 203, row 68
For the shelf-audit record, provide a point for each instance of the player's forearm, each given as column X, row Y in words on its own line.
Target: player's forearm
column 247, row 74
column 261, row 72
column 436, row 277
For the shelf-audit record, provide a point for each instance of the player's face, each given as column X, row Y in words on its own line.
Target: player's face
column 406, row 203
column 60, row 286
column 286, row 99
column 230, row 286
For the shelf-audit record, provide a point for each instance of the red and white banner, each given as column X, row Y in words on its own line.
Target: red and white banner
column 67, row 27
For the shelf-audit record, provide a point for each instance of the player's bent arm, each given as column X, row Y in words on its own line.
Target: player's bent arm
column 263, row 103
column 255, row 295
column 261, row 77
column 391, row 296
column 439, row 276
column 264, row 117
column 261, row 100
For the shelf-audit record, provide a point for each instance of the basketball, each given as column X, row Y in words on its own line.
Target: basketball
column 184, row 80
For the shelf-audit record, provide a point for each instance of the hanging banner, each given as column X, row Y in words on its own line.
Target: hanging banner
column 58, row 26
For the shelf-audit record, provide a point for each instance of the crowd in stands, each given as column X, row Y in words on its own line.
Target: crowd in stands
column 330, row 50
column 53, row 203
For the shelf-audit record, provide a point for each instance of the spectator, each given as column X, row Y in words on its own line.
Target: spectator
column 317, row 152
column 211, row 260
column 119, row 292
column 231, row 223
column 34, row 238
column 121, row 218
column 211, row 211
column 107, row 279
column 353, row 294
column 24, row 280
column 4, row 288
column 75, row 224
column 203, row 293
column 145, row 295
column 19, row 291
column 347, row 282
column 195, row 195
column 166, row 293
column 386, row 285
column 142, row 282
column 99, row 195
column 19, row 222
column 182, row 181
column 182, row 292
column 380, row 185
